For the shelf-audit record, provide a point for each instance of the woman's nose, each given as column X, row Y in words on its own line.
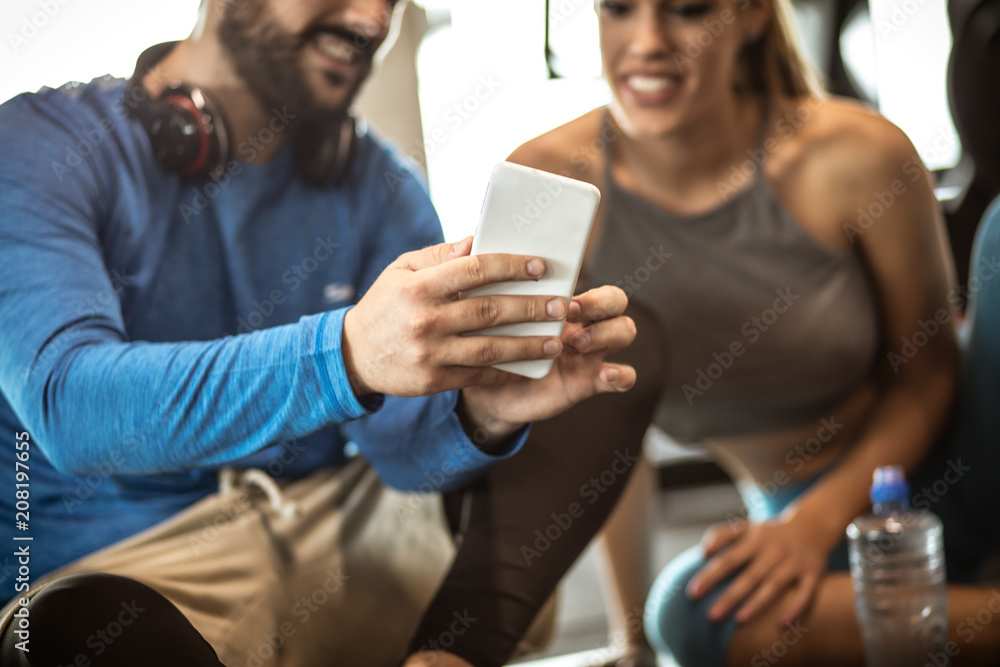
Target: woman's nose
column 650, row 39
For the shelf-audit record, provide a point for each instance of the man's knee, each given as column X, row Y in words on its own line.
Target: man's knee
column 679, row 625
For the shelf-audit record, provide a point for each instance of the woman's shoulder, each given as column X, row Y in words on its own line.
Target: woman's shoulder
column 848, row 136
column 834, row 151
column 576, row 149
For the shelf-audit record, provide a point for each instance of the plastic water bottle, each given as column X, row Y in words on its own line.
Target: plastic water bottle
column 897, row 565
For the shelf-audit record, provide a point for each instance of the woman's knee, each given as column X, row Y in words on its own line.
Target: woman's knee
column 80, row 617
column 56, row 614
column 678, row 625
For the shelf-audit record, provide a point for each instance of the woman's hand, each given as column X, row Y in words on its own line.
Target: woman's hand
column 782, row 558
column 595, row 326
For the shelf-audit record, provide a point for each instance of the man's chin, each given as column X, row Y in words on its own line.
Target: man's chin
column 330, row 99
column 324, row 113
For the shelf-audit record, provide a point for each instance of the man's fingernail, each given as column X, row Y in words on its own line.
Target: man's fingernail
column 555, row 308
column 582, row 341
column 610, row 375
column 536, row 267
column 551, row 347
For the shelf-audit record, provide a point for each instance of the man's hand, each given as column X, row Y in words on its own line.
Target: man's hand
column 404, row 337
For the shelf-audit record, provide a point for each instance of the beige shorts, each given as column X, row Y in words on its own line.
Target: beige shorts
column 335, row 568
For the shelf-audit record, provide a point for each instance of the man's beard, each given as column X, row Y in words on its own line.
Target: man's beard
column 269, row 61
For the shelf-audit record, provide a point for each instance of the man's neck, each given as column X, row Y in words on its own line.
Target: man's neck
column 201, row 61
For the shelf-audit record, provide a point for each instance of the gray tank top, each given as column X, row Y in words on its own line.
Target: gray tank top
column 762, row 326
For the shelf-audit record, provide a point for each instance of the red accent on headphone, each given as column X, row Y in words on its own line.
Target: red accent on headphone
column 203, row 140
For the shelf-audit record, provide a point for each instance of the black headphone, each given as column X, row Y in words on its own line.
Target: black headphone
column 190, row 137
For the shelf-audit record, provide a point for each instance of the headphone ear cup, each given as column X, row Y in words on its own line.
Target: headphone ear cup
column 174, row 136
column 186, row 129
column 323, row 154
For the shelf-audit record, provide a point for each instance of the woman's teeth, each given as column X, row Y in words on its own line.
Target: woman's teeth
column 650, row 84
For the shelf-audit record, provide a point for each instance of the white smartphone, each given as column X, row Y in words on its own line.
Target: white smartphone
column 532, row 212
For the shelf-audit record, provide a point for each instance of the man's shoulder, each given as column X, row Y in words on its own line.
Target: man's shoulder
column 59, row 129
column 73, row 104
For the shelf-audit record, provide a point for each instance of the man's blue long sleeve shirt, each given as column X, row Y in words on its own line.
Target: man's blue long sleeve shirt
column 155, row 329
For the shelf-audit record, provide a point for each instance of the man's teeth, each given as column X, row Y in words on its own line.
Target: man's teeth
column 650, row 84
column 336, row 48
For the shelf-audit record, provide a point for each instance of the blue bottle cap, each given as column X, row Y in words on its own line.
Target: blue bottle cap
column 889, row 485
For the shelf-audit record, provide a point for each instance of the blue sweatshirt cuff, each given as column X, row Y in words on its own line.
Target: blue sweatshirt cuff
column 344, row 405
column 467, row 449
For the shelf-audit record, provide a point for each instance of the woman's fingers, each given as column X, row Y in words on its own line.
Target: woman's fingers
column 719, row 536
column 801, row 597
column 774, row 585
column 606, row 335
column 748, row 581
column 720, row 567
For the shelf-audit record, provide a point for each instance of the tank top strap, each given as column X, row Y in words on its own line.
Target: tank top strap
column 606, row 131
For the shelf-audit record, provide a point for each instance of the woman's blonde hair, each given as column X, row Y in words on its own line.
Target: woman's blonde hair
column 773, row 63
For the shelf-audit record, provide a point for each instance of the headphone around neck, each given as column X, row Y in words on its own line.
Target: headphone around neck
column 189, row 135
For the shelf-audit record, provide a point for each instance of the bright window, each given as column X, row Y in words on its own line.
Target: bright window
column 50, row 42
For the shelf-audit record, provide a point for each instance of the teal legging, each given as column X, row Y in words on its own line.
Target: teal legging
column 958, row 481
